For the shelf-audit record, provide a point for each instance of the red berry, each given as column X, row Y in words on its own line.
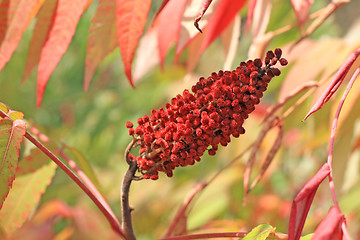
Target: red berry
column 129, row 124
column 180, row 133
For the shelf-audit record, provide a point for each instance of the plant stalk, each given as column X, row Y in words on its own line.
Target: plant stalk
column 125, row 189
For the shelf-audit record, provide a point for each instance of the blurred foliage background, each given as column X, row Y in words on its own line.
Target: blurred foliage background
column 93, row 123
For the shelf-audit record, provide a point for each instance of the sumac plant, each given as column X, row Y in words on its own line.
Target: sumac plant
column 201, row 121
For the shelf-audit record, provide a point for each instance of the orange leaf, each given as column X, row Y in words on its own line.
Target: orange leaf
column 44, row 22
column 18, row 18
column 168, row 25
column 102, row 38
column 67, row 16
column 131, row 17
column 223, row 16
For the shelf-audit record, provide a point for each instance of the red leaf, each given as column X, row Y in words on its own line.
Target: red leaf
column 335, row 83
column 11, row 136
column 330, row 226
column 17, row 20
column 131, row 17
column 102, row 38
column 168, row 25
column 204, row 6
column 301, row 8
column 302, row 202
column 44, row 22
column 223, row 16
column 67, row 16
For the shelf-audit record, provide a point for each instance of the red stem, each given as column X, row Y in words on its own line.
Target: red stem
column 333, row 131
column 98, row 202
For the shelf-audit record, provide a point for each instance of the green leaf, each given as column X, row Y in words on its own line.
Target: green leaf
column 15, row 115
column 260, row 232
column 24, row 196
column 11, row 136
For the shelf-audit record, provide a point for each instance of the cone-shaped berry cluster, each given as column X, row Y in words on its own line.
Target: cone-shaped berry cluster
column 196, row 122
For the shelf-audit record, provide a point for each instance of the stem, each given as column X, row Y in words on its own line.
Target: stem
column 267, row 126
column 125, row 188
column 333, row 131
column 99, row 203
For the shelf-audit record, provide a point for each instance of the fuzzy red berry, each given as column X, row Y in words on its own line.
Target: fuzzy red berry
column 129, row 124
column 198, row 121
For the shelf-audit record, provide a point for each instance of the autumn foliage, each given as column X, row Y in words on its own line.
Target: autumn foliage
column 282, row 178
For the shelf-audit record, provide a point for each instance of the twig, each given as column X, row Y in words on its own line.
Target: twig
column 270, row 156
column 99, row 203
column 270, row 122
column 125, row 188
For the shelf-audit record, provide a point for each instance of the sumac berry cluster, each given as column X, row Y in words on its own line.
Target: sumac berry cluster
column 198, row 121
